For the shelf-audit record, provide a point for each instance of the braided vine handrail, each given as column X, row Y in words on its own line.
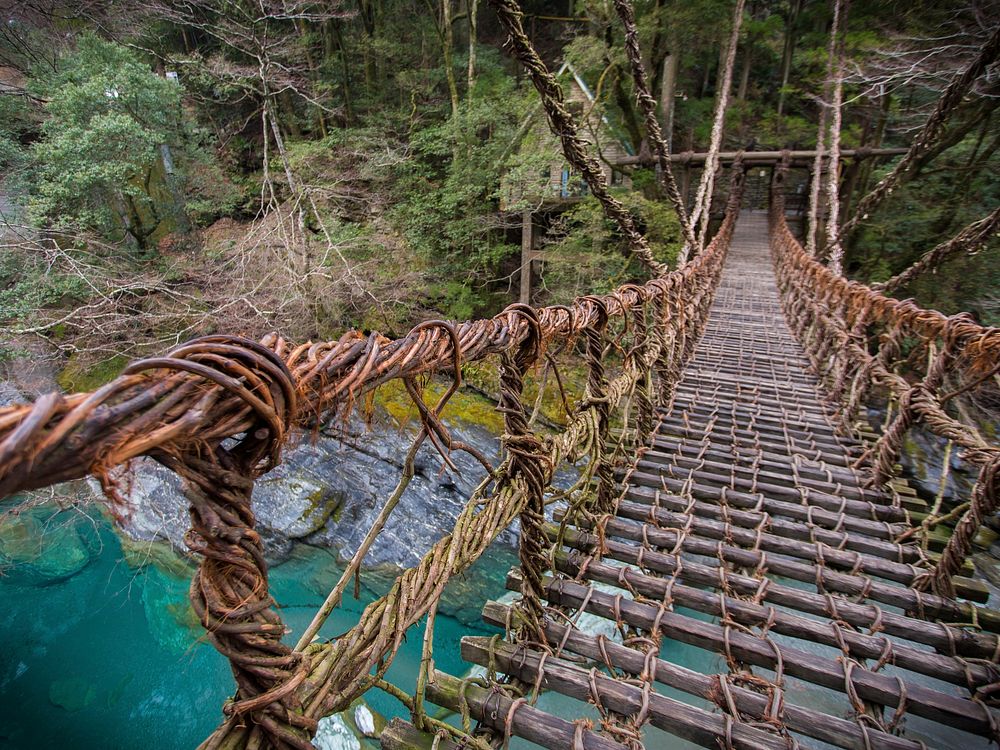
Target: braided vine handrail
column 219, row 409
column 859, row 339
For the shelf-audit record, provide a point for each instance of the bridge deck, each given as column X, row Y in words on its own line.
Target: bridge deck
column 744, row 541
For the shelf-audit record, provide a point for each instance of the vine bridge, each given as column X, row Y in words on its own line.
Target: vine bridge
column 731, row 499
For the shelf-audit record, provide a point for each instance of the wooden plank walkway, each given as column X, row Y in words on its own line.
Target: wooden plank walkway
column 742, row 532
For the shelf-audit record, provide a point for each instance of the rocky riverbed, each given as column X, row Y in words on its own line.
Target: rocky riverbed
column 328, row 490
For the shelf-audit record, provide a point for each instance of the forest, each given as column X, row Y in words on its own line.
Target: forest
column 173, row 168
column 337, row 336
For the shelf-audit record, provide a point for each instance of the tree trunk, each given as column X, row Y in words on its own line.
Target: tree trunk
column 290, row 122
column 741, row 93
column 721, row 67
column 926, row 143
column 667, row 90
column 875, row 141
column 788, row 50
column 472, row 8
column 447, row 42
column 366, row 11
column 835, row 68
column 300, row 27
column 345, row 67
column 703, row 199
column 657, row 53
column 624, row 102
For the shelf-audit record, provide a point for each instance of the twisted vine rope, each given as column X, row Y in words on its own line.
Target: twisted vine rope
column 855, row 337
column 219, row 409
column 647, row 105
column 923, row 142
column 970, row 240
column 563, row 126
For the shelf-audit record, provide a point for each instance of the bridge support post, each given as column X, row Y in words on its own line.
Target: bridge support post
column 528, row 464
column 596, row 398
column 888, row 447
column 229, row 591
column 666, row 332
column 643, row 394
column 527, row 256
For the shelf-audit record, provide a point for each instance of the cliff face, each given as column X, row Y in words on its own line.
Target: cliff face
column 328, row 488
column 327, row 491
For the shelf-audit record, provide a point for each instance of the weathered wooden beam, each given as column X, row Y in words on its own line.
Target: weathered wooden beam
column 931, row 605
column 973, row 645
column 760, row 397
column 832, row 729
column 402, row 735
column 769, row 434
column 819, row 511
column 653, row 458
column 749, row 614
column 493, row 708
column 708, row 481
column 667, row 446
column 683, row 720
column 527, row 256
column 759, row 416
column 748, row 441
column 754, row 529
column 810, row 473
column 873, row 687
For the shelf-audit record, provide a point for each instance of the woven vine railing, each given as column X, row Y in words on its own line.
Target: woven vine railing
column 861, row 341
column 218, row 411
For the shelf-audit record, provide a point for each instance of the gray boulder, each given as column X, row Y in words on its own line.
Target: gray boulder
column 327, row 491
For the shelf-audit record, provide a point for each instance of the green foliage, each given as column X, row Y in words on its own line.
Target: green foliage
column 106, row 116
column 790, row 131
column 13, row 123
column 446, row 196
column 925, row 212
column 421, row 204
column 26, row 286
column 585, row 255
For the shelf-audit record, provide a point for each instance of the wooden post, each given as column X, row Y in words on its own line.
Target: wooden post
column 527, row 255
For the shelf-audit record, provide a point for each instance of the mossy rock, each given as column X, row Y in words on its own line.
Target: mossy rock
column 464, row 406
column 322, row 506
column 80, row 376
column 34, row 550
column 138, row 555
column 72, row 694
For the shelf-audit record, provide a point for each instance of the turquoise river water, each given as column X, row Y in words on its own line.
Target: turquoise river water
column 100, row 648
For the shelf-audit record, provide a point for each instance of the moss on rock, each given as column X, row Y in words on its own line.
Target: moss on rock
column 81, row 376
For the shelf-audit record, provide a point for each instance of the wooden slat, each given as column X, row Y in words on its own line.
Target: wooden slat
column 931, row 605
column 493, row 708
column 966, row 643
column 741, row 527
column 826, row 632
column 694, row 724
column 402, row 735
column 811, row 723
column 831, row 516
column 931, row 704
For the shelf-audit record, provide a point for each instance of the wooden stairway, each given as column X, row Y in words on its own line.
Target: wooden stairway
column 744, row 533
